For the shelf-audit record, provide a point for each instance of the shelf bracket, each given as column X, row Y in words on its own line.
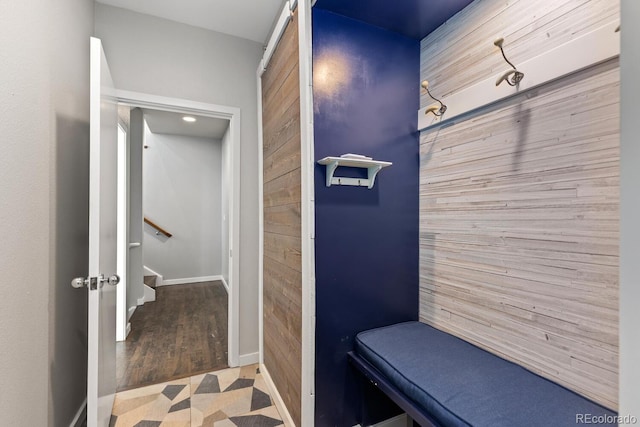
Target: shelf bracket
column 331, row 168
column 372, row 172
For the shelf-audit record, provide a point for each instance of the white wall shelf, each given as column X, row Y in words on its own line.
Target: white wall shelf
column 353, row 161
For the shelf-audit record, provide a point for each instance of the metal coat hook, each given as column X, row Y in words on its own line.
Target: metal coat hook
column 512, row 77
column 436, row 110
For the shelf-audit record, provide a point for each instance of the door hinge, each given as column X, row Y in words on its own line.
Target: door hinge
column 94, row 283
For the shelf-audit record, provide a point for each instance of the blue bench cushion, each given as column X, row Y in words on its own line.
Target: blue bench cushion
column 460, row 384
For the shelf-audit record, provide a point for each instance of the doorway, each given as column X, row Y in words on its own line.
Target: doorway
column 230, row 181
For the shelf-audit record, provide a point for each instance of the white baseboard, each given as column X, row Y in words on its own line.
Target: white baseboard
column 80, row 415
column 131, row 311
column 149, row 293
column 141, row 301
column 226, row 285
column 248, row 359
column 401, row 420
column 150, row 272
column 127, row 330
column 277, row 399
column 188, row 280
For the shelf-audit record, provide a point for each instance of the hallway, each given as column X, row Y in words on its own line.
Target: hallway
column 183, row 333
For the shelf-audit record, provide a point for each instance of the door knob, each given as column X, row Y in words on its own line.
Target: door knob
column 94, row 282
column 78, row 282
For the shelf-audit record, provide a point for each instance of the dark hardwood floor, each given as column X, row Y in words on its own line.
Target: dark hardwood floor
column 182, row 333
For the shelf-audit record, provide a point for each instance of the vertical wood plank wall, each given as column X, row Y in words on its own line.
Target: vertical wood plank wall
column 519, row 203
column 282, row 281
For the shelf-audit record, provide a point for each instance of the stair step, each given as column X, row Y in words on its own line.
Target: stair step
column 150, row 281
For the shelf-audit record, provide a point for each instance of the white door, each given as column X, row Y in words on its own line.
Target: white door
column 103, row 188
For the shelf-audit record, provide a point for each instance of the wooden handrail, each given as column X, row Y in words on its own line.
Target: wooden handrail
column 157, row 227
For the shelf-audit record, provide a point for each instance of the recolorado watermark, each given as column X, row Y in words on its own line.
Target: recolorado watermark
column 605, row 419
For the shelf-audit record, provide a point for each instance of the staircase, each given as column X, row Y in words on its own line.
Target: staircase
column 150, row 281
column 150, row 288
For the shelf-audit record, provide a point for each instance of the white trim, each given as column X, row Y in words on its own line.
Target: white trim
column 307, row 155
column 281, row 25
column 260, row 218
column 128, row 331
column 130, row 312
column 225, row 284
column 249, row 359
column 159, row 277
column 80, row 416
column 140, row 301
column 277, row 399
column 234, row 243
column 122, row 233
column 233, row 114
column 178, row 105
column 590, row 49
column 629, row 291
column 187, row 280
column 149, row 293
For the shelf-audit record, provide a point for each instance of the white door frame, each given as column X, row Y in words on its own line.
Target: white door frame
column 177, row 105
column 307, row 156
column 122, row 322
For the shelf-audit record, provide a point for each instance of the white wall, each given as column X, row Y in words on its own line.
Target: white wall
column 630, row 212
column 44, row 113
column 161, row 57
column 182, row 194
column 225, row 169
column 135, row 274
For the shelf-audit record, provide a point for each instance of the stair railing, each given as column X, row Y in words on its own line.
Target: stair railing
column 159, row 230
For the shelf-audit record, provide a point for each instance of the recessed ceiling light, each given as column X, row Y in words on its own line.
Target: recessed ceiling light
column 189, row 119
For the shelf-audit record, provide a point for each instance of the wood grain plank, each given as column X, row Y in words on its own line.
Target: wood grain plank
column 519, row 204
column 283, row 190
column 283, row 160
column 279, row 100
column 284, row 59
column 285, row 250
column 281, row 129
column 283, row 219
column 282, row 266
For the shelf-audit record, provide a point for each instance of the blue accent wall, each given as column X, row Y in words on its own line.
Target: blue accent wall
column 413, row 18
column 366, row 98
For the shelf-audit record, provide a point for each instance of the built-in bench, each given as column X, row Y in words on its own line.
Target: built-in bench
column 441, row 380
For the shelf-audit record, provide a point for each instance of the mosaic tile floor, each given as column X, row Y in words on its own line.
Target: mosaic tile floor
column 234, row 397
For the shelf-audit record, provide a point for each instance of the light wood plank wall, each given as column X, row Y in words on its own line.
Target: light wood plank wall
column 282, row 275
column 519, row 203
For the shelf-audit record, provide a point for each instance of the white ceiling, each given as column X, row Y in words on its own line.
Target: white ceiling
column 172, row 124
column 249, row 19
